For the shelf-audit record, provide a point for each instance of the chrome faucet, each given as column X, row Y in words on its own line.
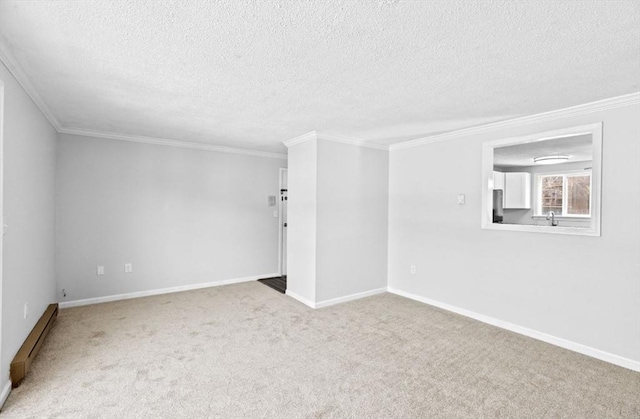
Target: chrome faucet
column 552, row 216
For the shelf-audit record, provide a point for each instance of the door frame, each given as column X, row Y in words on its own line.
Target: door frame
column 281, row 172
column 2, row 225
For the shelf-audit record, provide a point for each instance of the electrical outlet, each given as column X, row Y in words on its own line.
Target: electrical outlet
column 128, row 268
column 461, row 199
column 26, row 310
column 100, row 270
column 413, row 270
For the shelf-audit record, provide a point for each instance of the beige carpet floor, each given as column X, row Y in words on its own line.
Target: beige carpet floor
column 246, row 351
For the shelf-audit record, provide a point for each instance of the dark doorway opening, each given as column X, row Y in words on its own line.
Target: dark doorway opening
column 278, row 283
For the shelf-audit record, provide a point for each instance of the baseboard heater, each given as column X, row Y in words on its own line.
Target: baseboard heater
column 29, row 349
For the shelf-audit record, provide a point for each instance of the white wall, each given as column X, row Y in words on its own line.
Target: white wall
column 29, row 193
column 302, row 177
column 583, row 289
column 180, row 216
column 338, row 220
column 352, row 219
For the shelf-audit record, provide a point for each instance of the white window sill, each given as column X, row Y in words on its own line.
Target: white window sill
column 568, row 230
column 561, row 217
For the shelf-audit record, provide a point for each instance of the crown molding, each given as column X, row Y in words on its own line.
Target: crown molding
column 7, row 57
column 311, row 135
column 352, row 141
column 171, row 143
column 315, row 135
column 591, row 107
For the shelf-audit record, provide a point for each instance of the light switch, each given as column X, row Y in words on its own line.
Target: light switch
column 271, row 200
column 100, row 270
column 461, row 199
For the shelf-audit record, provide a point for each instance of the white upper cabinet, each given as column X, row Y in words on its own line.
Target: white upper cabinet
column 517, row 190
column 498, row 183
column 498, row 180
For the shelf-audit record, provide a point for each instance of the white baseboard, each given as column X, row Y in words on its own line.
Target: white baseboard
column 108, row 298
column 327, row 303
column 300, row 298
column 5, row 393
column 563, row 343
column 333, row 301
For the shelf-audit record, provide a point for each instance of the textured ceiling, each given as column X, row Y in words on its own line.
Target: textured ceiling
column 578, row 148
column 251, row 74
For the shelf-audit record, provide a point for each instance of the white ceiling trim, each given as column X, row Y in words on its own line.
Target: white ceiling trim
column 25, row 81
column 311, row 135
column 598, row 106
column 315, row 135
column 352, row 141
column 171, row 143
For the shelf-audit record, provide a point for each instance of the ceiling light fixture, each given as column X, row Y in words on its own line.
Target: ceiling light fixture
column 555, row 159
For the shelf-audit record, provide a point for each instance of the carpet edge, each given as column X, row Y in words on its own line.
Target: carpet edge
column 148, row 293
column 553, row 340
